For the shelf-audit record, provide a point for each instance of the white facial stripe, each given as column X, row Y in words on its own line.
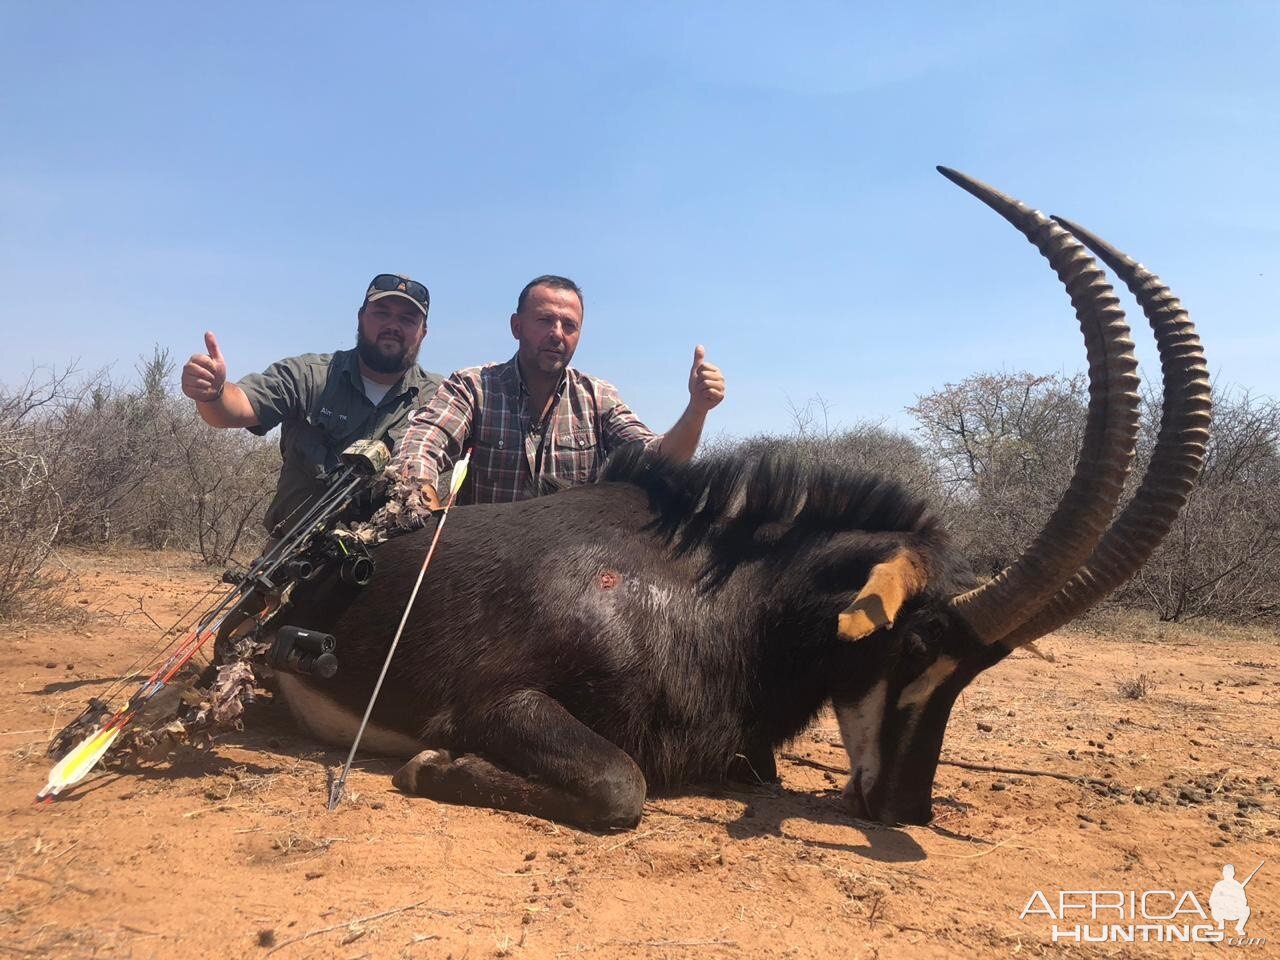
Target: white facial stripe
column 860, row 731
column 920, row 689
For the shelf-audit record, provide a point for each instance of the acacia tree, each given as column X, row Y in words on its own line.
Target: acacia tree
column 1222, row 558
column 133, row 463
column 1005, row 445
column 31, row 510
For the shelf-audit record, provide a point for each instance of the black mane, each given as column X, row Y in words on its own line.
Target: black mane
column 776, row 486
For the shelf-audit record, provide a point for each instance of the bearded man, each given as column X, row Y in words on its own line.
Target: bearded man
column 324, row 402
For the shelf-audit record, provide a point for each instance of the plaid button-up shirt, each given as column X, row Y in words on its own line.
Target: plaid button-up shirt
column 488, row 408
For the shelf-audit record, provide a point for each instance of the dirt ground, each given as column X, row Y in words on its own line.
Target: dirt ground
column 1163, row 742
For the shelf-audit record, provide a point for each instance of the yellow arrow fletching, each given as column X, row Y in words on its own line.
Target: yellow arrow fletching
column 459, row 473
column 75, row 765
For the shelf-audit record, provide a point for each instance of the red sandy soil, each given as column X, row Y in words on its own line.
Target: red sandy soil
column 234, row 855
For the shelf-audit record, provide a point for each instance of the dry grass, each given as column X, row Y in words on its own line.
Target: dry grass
column 1126, row 625
column 1136, row 688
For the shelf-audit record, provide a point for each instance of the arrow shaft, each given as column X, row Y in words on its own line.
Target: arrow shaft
column 460, row 471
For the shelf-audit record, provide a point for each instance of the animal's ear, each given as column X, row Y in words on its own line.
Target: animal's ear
column 890, row 585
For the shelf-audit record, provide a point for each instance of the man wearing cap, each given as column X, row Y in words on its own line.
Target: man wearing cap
column 326, row 401
column 534, row 418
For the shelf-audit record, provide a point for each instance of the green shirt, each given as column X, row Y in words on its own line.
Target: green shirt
column 320, row 403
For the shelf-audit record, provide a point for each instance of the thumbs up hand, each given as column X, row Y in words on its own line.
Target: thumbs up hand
column 706, row 382
column 205, row 374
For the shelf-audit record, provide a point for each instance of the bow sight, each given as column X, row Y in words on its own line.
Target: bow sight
column 239, row 622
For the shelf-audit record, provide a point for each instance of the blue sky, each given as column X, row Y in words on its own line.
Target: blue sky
column 758, row 178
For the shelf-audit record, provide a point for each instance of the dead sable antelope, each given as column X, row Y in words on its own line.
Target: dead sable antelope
column 574, row 650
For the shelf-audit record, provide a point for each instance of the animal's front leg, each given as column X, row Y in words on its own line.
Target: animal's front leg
column 535, row 758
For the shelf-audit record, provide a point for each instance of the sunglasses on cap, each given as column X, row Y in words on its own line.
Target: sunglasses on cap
column 385, row 283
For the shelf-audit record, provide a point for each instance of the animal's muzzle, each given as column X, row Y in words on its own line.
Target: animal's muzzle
column 859, row 804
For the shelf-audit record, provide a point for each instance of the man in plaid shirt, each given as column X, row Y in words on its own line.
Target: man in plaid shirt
column 534, row 417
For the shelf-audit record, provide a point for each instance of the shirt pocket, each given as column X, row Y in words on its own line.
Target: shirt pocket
column 498, row 474
column 576, row 452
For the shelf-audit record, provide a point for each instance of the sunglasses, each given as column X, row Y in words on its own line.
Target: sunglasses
column 390, row 281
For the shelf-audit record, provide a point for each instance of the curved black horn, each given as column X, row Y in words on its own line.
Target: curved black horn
column 1175, row 462
column 1111, row 429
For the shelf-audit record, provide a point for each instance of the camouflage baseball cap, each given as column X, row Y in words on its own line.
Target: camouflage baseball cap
column 398, row 285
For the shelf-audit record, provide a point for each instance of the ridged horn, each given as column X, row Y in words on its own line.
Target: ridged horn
column 1111, row 429
column 1175, row 464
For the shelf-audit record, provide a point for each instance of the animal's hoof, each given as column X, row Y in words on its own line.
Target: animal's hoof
column 854, row 801
column 427, row 762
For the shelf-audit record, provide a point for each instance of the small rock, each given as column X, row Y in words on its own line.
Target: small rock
column 50, row 666
column 567, row 902
column 266, row 937
column 531, row 855
column 984, row 727
column 314, row 874
column 997, row 785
